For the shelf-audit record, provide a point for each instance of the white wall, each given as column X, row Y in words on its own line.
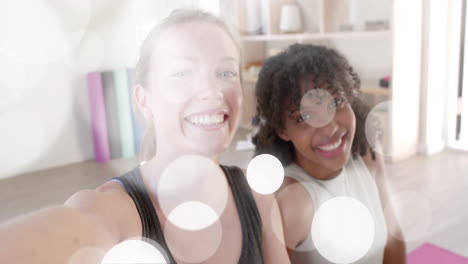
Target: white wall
column 462, row 105
column 407, row 38
column 441, row 76
column 48, row 123
column 434, row 77
column 46, row 50
column 371, row 57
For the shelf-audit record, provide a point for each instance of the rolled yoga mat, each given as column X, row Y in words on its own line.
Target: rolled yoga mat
column 431, row 254
column 124, row 113
column 98, row 117
column 112, row 118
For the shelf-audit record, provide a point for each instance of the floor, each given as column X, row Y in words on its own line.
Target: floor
column 27, row 192
column 439, row 208
column 429, row 192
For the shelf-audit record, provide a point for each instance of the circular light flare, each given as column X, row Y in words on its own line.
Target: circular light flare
column 134, row 251
column 265, row 174
column 190, row 179
column 196, row 245
column 317, row 108
column 343, row 230
column 193, row 215
column 376, row 128
column 44, row 32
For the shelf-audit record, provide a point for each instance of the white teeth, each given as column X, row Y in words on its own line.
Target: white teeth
column 206, row 119
column 331, row 147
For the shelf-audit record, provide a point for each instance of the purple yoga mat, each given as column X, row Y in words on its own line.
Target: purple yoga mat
column 98, row 118
column 431, row 254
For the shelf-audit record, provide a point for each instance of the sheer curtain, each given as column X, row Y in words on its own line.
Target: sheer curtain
column 462, row 109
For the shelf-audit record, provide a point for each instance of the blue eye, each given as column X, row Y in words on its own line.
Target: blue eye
column 227, row 74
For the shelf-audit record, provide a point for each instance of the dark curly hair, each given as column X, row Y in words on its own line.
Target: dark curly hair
column 278, row 90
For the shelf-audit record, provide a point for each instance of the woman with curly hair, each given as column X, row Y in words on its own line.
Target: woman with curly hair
column 312, row 119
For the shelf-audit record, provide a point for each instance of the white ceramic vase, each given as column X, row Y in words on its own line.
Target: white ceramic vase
column 291, row 20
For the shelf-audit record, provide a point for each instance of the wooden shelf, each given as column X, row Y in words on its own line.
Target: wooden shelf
column 377, row 91
column 365, row 88
column 312, row 36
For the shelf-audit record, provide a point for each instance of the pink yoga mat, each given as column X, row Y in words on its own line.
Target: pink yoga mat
column 98, row 118
column 431, row 254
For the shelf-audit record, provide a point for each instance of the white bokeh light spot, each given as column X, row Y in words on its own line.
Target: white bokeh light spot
column 376, row 128
column 133, row 251
column 191, row 178
column 317, row 107
column 193, row 215
column 265, row 174
column 413, row 212
column 343, row 230
column 44, row 32
column 194, row 246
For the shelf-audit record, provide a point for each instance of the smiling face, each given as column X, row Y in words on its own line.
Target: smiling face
column 321, row 130
column 195, row 92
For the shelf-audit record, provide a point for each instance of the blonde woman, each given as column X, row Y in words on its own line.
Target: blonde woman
column 188, row 90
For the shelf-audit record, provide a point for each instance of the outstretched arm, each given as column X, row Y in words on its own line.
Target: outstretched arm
column 54, row 234
column 297, row 211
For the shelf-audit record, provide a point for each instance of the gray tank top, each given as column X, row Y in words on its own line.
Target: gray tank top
column 249, row 216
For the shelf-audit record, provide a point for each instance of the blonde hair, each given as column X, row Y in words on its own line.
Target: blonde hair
column 143, row 67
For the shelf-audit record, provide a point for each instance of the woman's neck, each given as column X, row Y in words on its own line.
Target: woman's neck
column 316, row 170
column 151, row 170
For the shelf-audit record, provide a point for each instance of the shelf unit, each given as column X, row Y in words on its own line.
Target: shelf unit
column 316, row 36
column 321, row 21
column 320, row 18
column 395, row 51
column 369, row 51
column 367, row 87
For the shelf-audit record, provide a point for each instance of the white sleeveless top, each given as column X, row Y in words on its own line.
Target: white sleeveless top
column 354, row 181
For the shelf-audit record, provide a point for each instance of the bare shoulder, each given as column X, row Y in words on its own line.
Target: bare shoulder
column 295, row 203
column 109, row 204
column 297, row 210
column 109, row 194
column 293, row 193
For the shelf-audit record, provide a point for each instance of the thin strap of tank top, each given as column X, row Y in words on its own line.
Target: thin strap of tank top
column 250, row 220
column 249, row 216
column 134, row 186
